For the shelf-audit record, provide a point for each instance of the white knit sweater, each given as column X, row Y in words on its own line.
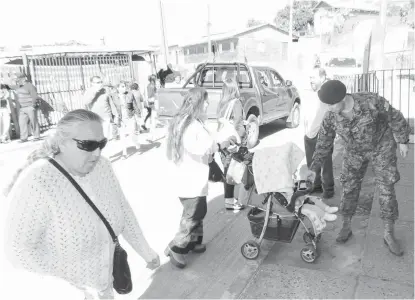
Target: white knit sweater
column 53, row 231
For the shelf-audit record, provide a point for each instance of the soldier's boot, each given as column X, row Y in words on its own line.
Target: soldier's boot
column 346, row 231
column 389, row 238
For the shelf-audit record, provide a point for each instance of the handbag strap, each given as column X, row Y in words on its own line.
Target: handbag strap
column 87, row 199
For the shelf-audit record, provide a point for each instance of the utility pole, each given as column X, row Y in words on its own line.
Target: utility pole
column 290, row 42
column 383, row 9
column 164, row 45
column 208, row 34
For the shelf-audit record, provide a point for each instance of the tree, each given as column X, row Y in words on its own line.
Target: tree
column 254, row 22
column 302, row 16
column 407, row 14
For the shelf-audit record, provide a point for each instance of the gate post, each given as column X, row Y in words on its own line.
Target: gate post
column 130, row 57
column 26, row 68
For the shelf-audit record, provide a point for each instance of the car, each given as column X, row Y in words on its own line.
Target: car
column 264, row 92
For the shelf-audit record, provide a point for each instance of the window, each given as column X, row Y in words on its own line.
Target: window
column 214, row 76
column 411, row 39
column 276, row 79
column 284, row 54
column 264, row 79
column 226, row 46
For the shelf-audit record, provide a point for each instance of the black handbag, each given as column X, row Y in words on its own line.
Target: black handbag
column 215, row 173
column 121, row 270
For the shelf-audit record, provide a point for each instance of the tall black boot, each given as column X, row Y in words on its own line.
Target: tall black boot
column 389, row 238
column 346, row 231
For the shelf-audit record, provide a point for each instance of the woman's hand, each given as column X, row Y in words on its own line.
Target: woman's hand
column 154, row 263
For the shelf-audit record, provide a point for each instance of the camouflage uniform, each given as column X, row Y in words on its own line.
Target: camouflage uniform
column 372, row 134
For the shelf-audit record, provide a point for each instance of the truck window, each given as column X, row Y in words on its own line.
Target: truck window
column 264, row 79
column 276, row 79
column 215, row 76
column 206, row 77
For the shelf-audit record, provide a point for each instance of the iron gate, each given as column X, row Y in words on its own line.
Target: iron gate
column 61, row 80
column 396, row 86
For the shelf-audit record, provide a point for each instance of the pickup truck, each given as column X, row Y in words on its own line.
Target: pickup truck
column 264, row 92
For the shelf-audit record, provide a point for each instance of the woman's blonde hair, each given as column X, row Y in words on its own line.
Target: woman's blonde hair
column 50, row 146
column 230, row 91
column 191, row 109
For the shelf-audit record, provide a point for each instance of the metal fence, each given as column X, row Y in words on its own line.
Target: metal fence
column 397, row 86
column 61, row 80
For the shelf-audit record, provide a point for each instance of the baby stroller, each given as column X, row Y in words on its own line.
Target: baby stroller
column 277, row 219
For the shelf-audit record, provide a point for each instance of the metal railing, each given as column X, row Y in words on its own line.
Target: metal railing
column 61, row 80
column 396, row 86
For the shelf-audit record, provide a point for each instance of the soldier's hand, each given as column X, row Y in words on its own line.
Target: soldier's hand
column 403, row 149
column 311, row 176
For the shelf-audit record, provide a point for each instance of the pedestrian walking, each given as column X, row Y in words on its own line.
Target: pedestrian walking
column 191, row 147
column 140, row 102
column 315, row 112
column 150, row 99
column 97, row 100
column 27, row 97
column 129, row 112
column 371, row 129
column 52, row 230
column 230, row 111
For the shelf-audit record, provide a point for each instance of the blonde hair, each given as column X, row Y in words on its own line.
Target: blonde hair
column 190, row 110
column 50, row 146
column 230, row 91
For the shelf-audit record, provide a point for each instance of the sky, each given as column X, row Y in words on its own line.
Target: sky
column 125, row 22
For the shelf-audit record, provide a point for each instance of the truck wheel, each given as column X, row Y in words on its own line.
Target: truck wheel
column 252, row 131
column 294, row 116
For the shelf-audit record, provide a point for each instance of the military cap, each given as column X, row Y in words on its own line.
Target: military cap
column 332, row 92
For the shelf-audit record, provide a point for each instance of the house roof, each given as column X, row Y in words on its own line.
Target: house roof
column 363, row 5
column 234, row 34
column 72, row 51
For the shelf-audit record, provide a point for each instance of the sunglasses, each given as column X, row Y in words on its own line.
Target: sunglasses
column 90, row 146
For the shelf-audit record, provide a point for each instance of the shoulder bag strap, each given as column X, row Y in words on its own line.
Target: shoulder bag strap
column 87, row 199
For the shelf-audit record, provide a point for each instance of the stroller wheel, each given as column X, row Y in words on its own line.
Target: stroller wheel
column 309, row 253
column 250, row 250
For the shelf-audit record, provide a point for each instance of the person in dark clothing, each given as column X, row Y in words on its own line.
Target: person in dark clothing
column 162, row 74
column 149, row 100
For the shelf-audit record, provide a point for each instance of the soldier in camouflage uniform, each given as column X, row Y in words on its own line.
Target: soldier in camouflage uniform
column 371, row 129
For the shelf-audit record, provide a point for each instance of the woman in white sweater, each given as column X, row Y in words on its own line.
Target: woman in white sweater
column 191, row 147
column 51, row 228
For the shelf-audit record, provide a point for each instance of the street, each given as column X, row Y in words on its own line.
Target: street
column 361, row 268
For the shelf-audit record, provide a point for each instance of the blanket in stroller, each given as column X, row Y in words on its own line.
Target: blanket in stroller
column 274, row 167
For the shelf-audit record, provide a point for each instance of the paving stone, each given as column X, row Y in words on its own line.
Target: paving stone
column 286, row 282
column 379, row 262
column 342, row 258
column 372, row 288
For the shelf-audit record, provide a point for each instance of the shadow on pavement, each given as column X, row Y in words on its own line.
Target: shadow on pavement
column 132, row 151
column 223, row 239
column 271, row 128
